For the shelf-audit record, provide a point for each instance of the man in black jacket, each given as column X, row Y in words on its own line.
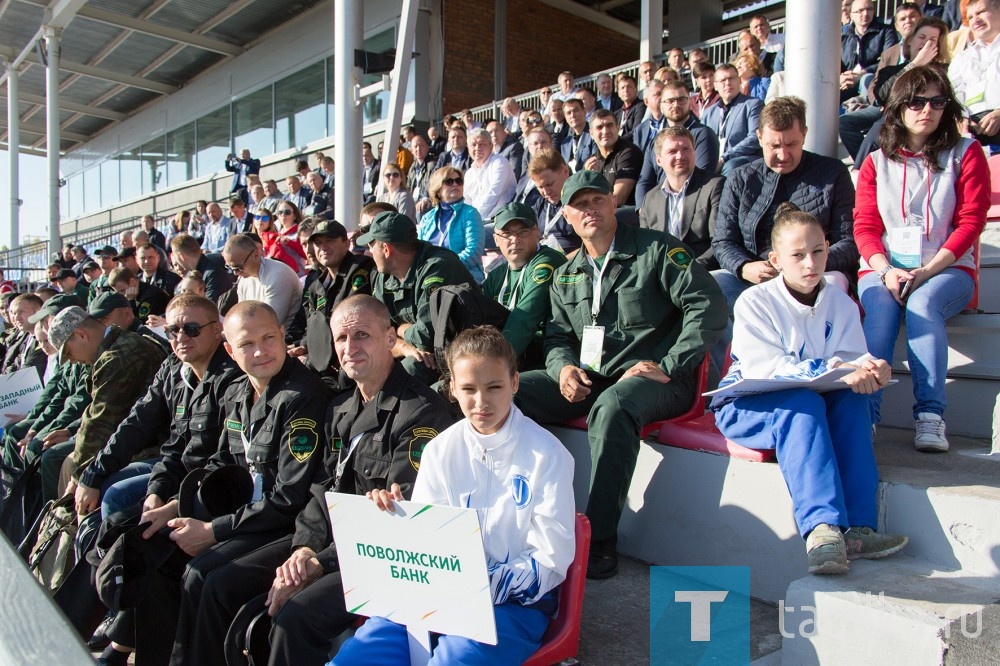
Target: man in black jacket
column 344, row 274
column 188, row 255
column 376, row 435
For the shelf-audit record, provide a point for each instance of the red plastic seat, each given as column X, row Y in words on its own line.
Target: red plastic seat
column 650, row 429
column 562, row 638
column 993, row 213
column 700, row 434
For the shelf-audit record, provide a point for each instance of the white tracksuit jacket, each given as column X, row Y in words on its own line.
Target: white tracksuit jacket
column 520, row 481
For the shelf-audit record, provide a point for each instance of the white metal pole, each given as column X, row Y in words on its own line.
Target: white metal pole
column 812, row 67
column 52, row 49
column 400, row 78
column 651, row 29
column 348, row 31
column 13, row 155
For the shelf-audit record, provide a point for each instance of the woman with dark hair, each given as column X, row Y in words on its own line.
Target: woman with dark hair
column 281, row 241
column 921, row 205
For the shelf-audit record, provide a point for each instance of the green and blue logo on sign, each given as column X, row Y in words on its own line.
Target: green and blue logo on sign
column 699, row 615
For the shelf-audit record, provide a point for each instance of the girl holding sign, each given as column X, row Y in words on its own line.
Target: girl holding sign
column 921, row 205
column 519, row 478
column 797, row 327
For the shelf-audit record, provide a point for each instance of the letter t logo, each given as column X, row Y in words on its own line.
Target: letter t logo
column 701, row 610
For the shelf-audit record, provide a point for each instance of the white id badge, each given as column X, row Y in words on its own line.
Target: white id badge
column 258, row 487
column 592, row 348
column 905, row 245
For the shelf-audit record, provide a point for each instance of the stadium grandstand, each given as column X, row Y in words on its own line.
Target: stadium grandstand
column 163, row 121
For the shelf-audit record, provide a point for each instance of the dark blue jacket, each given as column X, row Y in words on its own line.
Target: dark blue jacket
column 820, row 185
column 866, row 49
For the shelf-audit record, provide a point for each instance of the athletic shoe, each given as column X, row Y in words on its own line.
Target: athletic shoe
column 603, row 559
column 930, row 433
column 826, row 550
column 864, row 543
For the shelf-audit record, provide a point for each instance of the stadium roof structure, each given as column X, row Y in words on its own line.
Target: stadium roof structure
column 117, row 56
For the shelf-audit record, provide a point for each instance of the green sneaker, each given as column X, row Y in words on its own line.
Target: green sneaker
column 826, row 550
column 866, row 543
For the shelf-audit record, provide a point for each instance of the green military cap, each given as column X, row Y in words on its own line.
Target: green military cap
column 55, row 305
column 330, row 228
column 584, row 180
column 104, row 304
column 389, row 227
column 515, row 212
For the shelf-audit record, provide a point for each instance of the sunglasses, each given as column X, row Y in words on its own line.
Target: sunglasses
column 189, row 329
column 393, row 174
column 284, row 212
column 918, row 103
column 262, row 218
column 239, row 267
column 453, row 181
column 534, row 121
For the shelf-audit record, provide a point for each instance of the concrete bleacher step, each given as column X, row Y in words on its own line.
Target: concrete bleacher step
column 973, row 377
column 989, row 268
column 895, row 611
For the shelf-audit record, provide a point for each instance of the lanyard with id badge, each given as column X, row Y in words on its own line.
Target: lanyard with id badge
column 255, row 472
column 906, row 242
column 592, row 341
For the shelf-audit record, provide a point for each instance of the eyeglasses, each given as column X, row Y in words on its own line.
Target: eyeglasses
column 189, row 329
column 453, row 181
column 284, row 212
column 239, row 267
column 918, row 103
column 511, row 235
column 676, row 100
column 393, row 174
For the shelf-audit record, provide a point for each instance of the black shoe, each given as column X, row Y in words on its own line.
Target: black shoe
column 603, row 559
column 100, row 639
column 112, row 657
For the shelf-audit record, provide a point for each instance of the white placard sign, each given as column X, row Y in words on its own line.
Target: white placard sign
column 19, row 392
column 422, row 566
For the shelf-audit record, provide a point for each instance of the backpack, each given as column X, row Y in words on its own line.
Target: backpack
column 20, row 499
column 455, row 308
column 50, row 547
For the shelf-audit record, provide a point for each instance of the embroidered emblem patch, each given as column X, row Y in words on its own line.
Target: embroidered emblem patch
column 571, row 279
column 420, row 438
column 542, row 273
column 679, row 257
column 520, row 490
column 234, row 425
column 302, row 439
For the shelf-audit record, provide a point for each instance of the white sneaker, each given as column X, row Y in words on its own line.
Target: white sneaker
column 930, row 433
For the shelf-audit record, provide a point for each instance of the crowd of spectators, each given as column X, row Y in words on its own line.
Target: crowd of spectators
column 629, row 234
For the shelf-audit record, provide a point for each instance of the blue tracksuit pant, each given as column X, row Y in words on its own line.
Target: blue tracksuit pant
column 380, row 642
column 823, row 443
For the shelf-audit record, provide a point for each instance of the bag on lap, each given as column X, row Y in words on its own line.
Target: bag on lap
column 455, row 308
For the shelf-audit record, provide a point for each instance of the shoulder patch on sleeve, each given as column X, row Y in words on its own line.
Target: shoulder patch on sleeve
column 360, row 279
column 419, row 439
column 433, row 283
column 542, row 273
column 679, row 257
column 234, row 425
column 302, row 439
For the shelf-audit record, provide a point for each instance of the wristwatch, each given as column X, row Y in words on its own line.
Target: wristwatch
column 882, row 273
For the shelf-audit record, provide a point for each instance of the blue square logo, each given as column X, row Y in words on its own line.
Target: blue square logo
column 699, row 615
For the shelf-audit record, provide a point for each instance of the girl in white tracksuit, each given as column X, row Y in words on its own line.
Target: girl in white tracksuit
column 519, row 478
column 796, row 327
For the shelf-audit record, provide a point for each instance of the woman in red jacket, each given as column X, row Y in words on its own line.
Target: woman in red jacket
column 278, row 231
column 921, row 205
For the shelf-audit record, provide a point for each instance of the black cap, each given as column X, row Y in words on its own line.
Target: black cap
column 205, row 494
column 389, row 227
column 89, row 266
column 107, row 251
column 106, row 303
column 127, row 252
column 66, row 273
column 329, row 228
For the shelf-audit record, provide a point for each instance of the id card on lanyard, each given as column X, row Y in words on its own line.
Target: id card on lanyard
column 256, row 474
column 592, row 338
column 906, row 242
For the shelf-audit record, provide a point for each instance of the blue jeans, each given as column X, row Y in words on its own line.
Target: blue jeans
column 824, row 451
column 381, row 642
column 927, row 309
column 856, row 125
column 126, row 487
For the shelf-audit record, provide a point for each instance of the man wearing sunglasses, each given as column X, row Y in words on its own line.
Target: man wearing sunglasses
column 262, row 278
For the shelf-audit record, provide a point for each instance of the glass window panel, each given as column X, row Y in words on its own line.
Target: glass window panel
column 298, row 108
column 75, row 195
column 130, row 174
column 180, row 155
column 154, row 165
column 91, row 189
column 376, row 107
column 253, row 123
column 110, row 194
column 214, row 142
column 330, row 121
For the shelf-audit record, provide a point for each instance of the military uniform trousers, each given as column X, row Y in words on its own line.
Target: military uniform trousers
column 616, row 412
column 304, row 629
